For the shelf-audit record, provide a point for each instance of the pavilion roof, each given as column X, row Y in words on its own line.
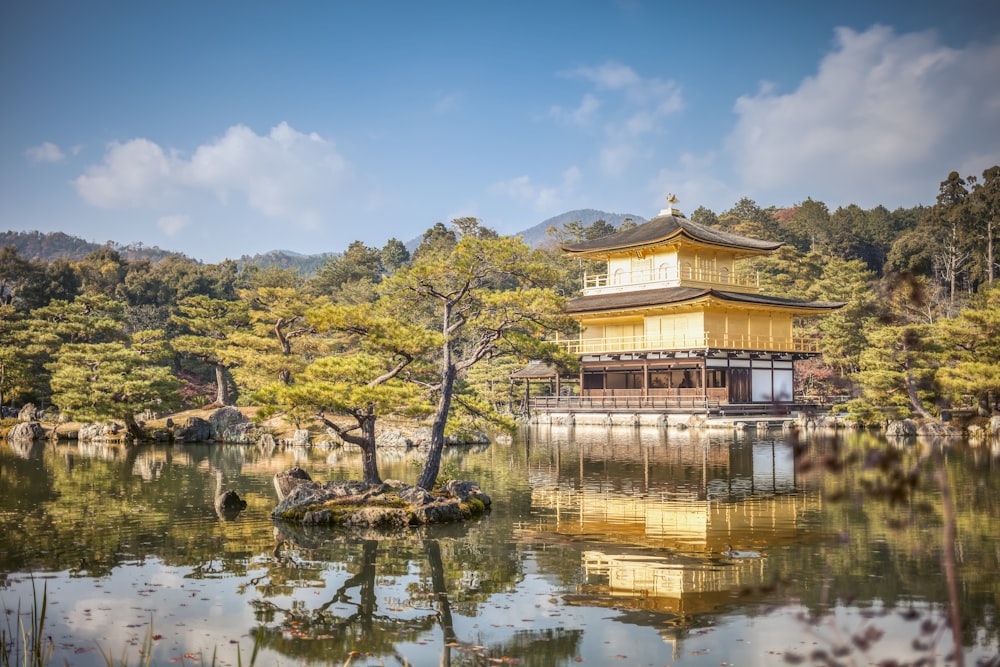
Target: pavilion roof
column 535, row 370
column 664, row 228
column 678, row 295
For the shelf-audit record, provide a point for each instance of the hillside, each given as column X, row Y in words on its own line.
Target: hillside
column 57, row 245
column 535, row 236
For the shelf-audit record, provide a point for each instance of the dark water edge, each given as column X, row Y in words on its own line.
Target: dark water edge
column 605, row 546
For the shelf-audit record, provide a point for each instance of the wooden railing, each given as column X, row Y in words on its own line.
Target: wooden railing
column 654, row 343
column 668, row 278
column 614, row 402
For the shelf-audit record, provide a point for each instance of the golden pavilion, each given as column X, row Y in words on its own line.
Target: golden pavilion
column 674, row 321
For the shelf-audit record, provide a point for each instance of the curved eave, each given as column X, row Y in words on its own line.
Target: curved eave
column 665, row 229
column 625, row 302
column 604, row 253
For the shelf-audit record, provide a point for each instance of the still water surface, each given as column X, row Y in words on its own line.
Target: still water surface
column 605, row 546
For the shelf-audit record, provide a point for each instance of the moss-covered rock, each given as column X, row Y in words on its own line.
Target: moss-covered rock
column 385, row 505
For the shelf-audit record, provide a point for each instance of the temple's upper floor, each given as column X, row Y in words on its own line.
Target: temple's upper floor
column 670, row 251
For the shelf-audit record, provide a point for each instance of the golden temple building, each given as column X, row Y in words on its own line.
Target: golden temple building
column 674, row 321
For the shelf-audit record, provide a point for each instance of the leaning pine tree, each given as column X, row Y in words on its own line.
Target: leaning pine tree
column 483, row 296
column 375, row 374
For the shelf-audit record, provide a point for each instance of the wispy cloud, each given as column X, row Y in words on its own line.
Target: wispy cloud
column 285, row 174
column 628, row 107
column 883, row 114
column 543, row 199
column 46, row 152
column 171, row 225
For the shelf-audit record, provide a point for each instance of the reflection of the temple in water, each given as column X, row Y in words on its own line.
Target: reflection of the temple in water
column 671, row 522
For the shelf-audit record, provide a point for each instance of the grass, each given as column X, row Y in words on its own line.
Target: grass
column 27, row 645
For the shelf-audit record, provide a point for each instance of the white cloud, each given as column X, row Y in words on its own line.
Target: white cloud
column 883, row 114
column 611, row 75
column 135, row 173
column 171, row 225
column 542, row 199
column 285, row 174
column 582, row 115
column 629, row 107
column 46, row 152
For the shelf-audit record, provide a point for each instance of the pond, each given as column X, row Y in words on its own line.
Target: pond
column 604, row 546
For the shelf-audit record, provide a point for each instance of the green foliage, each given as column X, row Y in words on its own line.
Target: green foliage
column 393, row 255
column 211, row 327
column 101, row 381
column 971, row 363
column 358, row 263
column 484, row 297
column 845, row 331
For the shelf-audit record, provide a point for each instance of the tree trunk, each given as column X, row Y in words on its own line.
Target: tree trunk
column 440, row 588
column 132, row 426
column 433, row 465
column 369, row 462
column 221, row 390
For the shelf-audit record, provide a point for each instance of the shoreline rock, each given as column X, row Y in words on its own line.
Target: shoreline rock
column 391, row 504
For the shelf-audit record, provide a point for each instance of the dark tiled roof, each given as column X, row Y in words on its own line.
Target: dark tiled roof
column 535, row 369
column 672, row 295
column 664, row 227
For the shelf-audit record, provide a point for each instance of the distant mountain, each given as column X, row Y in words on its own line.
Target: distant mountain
column 56, row 245
column 306, row 265
column 537, row 235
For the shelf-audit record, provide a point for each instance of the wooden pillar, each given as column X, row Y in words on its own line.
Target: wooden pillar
column 704, row 378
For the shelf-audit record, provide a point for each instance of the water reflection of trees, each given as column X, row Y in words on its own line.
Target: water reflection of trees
column 433, row 569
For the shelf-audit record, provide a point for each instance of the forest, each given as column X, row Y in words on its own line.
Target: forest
column 380, row 331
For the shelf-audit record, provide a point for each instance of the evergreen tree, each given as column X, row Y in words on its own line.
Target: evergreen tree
column 393, row 255
column 453, row 292
column 372, row 377
column 210, row 326
column 971, row 363
column 845, row 331
column 99, row 381
column 985, row 213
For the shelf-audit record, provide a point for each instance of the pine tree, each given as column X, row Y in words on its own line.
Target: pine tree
column 100, row 381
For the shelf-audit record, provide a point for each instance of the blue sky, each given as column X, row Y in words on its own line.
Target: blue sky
column 220, row 129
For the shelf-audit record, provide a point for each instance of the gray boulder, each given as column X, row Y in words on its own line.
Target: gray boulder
column 359, row 504
column 465, row 490
column 301, row 438
column 901, row 428
column 286, row 481
column 193, row 429
column 29, row 413
column 231, row 425
column 25, row 431
column 100, row 432
column 939, row 430
column 391, row 439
